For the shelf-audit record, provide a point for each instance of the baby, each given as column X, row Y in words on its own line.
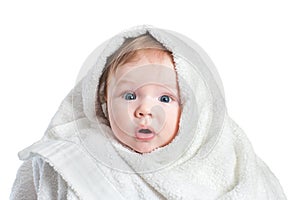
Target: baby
column 142, row 96
column 147, row 121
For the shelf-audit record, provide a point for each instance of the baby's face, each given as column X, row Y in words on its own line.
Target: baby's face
column 143, row 101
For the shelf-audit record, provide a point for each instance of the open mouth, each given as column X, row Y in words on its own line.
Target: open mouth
column 144, row 134
column 145, row 131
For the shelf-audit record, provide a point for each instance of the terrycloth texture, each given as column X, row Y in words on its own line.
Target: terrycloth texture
column 36, row 179
column 210, row 158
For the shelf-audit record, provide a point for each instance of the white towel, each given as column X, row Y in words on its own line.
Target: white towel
column 210, row 158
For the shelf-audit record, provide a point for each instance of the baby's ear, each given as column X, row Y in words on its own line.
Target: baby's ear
column 105, row 96
column 102, row 96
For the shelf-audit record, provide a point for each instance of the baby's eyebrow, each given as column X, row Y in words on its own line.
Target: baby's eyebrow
column 173, row 87
column 166, row 84
column 123, row 81
column 132, row 83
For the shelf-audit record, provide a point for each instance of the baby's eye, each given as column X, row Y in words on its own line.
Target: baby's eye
column 165, row 99
column 129, row 96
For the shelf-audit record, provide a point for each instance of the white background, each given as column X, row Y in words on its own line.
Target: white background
column 254, row 44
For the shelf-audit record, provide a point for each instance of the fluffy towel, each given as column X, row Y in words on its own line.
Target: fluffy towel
column 210, row 158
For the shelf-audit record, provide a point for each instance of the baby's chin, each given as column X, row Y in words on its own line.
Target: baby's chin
column 143, row 147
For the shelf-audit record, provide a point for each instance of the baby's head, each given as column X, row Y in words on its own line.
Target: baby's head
column 142, row 95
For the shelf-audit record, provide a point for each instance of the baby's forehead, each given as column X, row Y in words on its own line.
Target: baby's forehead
column 163, row 74
column 144, row 57
column 149, row 56
column 148, row 66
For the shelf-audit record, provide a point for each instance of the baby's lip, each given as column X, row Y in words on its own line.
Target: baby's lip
column 145, row 130
column 144, row 133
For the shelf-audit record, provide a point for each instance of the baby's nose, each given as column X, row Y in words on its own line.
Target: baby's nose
column 144, row 110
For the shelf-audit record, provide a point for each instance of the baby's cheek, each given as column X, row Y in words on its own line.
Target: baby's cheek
column 174, row 114
column 118, row 111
